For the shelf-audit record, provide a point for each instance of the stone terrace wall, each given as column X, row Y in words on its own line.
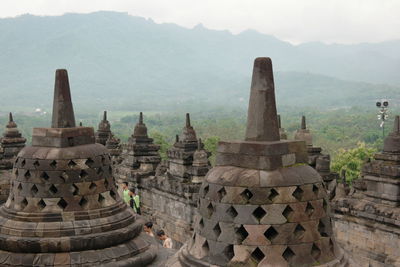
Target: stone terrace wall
column 368, row 218
column 172, row 213
column 368, row 244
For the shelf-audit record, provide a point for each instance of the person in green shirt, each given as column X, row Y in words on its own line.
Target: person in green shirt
column 125, row 193
column 134, row 201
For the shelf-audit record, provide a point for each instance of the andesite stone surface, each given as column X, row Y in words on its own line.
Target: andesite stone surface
column 170, row 198
column 103, row 132
column 368, row 218
column 282, row 133
column 105, row 136
column 63, row 209
column 316, row 159
column 262, row 205
column 303, row 133
column 114, row 148
column 63, row 112
column 10, row 144
column 140, row 157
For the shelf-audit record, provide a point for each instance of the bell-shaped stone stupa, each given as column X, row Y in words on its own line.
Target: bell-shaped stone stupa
column 63, row 208
column 12, row 141
column 262, row 205
column 303, row 134
column 104, row 130
column 140, row 156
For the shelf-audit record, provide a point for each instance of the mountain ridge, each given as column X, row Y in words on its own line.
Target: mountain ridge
column 113, row 57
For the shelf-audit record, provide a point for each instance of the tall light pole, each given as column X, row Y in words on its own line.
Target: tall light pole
column 383, row 106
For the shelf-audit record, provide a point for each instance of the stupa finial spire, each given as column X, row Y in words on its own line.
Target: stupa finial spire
column 63, row 112
column 396, row 126
column 105, row 115
column 141, row 118
column 187, row 120
column 279, row 121
column 262, row 120
column 199, row 144
column 10, row 117
column 140, row 128
column 303, row 122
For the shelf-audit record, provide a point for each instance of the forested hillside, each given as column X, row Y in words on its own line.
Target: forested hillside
column 121, row 62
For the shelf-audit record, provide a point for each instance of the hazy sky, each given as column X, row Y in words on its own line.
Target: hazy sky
column 296, row 21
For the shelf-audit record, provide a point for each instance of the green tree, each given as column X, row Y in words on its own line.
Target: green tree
column 351, row 160
column 160, row 139
column 211, row 144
